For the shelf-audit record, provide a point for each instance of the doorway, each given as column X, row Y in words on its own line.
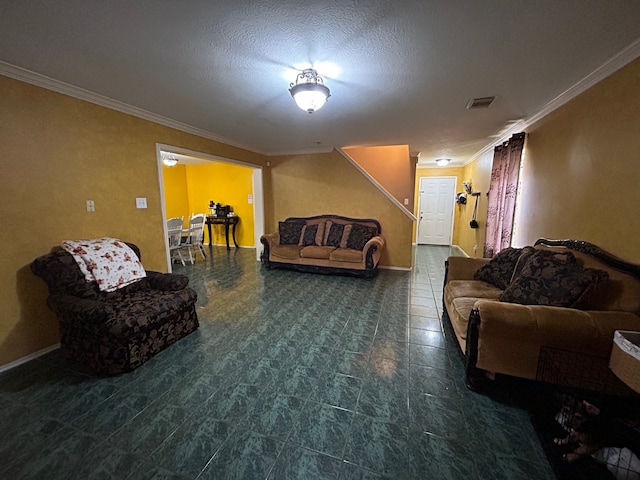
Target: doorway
column 436, row 201
column 253, row 210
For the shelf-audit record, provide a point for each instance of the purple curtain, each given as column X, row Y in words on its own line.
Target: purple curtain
column 502, row 194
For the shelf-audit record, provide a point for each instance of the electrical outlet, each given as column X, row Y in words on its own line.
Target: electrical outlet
column 141, row 202
column 249, row 199
column 406, row 201
column 91, row 206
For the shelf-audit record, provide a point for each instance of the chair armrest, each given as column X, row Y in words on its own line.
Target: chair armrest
column 74, row 309
column 463, row 268
column 167, row 281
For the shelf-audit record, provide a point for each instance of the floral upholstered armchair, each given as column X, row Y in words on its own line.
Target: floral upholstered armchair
column 117, row 331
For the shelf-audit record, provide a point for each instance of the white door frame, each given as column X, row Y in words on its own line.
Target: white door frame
column 453, row 201
column 257, row 185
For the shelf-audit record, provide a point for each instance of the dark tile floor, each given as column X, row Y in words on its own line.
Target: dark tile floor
column 291, row 376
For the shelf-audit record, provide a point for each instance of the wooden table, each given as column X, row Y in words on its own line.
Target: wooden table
column 226, row 221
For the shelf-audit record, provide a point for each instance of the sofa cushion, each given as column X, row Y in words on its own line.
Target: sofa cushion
column 459, row 311
column 470, row 288
column 499, row 270
column 313, row 251
column 346, row 255
column 550, row 280
column 117, row 295
column 290, row 232
column 289, row 252
column 360, row 235
column 146, row 309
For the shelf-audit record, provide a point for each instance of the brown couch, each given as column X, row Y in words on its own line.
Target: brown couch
column 506, row 337
column 325, row 244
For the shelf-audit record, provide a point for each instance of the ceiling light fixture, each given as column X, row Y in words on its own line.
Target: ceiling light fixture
column 443, row 162
column 309, row 90
column 170, row 161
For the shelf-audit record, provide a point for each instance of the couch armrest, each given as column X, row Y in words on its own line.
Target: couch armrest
column 377, row 242
column 510, row 335
column 167, row 281
column 270, row 238
column 373, row 249
column 74, row 309
column 463, row 268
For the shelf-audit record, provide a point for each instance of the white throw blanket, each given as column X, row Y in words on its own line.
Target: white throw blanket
column 108, row 261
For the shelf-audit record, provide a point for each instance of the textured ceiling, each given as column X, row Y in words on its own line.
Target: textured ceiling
column 400, row 71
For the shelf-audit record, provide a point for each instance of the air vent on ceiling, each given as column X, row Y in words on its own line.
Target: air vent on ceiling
column 481, row 102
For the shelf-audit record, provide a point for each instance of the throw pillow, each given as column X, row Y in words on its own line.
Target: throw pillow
column 345, row 235
column 499, row 270
column 360, row 235
column 290, row 232
column 525, row 254
column 308, row 237
column 335, row 235
column 549, row 279
column 320, row 234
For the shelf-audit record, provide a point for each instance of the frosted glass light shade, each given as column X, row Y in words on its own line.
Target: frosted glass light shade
column 443, row 162
column 310, row 96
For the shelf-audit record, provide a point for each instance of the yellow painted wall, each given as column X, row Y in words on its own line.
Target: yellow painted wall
column 228, row 185
column 459, row 209
column 391, row 166
column 58, row 152
column 176, row 191
column 582, row 169
column 479, row 173
column 306, row 185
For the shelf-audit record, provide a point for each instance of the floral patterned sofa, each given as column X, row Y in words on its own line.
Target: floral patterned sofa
column 567, row 295
column 325, row 244
column 115, row 332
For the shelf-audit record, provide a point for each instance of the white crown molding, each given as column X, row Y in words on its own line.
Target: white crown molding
column 377, row 185
column 39, row 80
column 450, row 165
column 615, row 63
column 306, row 151
column 201, row 155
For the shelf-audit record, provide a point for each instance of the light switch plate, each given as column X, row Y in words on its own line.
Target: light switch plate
column 141, row 202
column 249, row 199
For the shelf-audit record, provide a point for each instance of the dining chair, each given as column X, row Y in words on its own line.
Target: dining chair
column 174, row 230
column 195, row 238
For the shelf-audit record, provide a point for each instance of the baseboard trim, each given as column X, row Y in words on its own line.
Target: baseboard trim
column 402, row 269
column 231, row 247
column 460, row 250
column 28, row 358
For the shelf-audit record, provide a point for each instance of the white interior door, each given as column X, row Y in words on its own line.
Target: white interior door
column 435, row 206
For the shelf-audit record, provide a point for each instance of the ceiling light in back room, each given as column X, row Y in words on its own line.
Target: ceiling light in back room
column 309, row 91
column 170, row 161
column 443, row 162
